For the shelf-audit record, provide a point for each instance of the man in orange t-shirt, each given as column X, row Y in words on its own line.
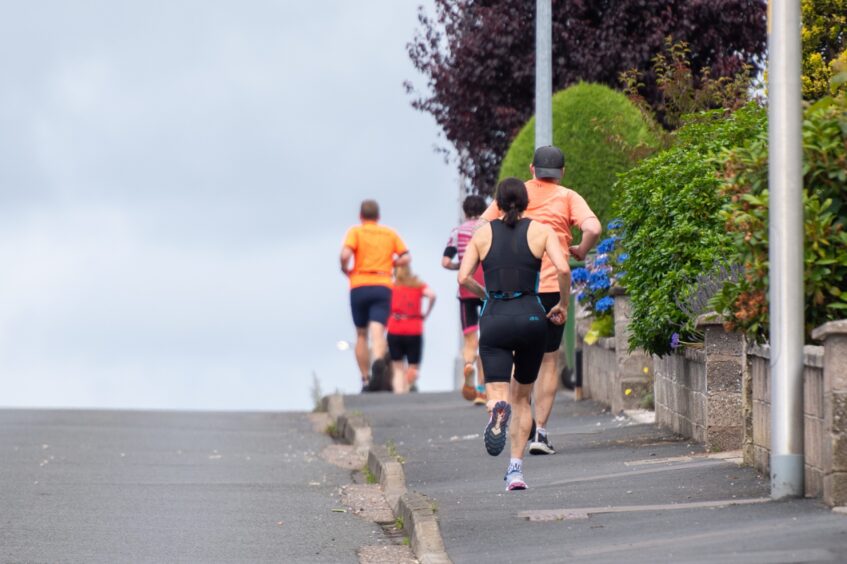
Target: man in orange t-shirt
column 376, row 250
column 561, row 209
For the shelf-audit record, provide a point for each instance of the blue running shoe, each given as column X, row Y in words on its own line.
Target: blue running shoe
column 514, row 479
column 495, row 431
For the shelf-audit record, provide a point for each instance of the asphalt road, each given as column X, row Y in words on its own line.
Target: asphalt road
column 605, row 463
column 123, row 486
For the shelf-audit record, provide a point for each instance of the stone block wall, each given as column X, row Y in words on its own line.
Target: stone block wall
column 813, row 414
column 834, row 434
column 680, row 393
column 612, row 374
column 600, row 367
column 699, row 392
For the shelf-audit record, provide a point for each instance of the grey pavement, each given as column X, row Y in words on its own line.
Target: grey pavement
column 617, row 490
column 123, row 486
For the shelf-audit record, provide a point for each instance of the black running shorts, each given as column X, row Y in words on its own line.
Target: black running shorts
column 469, row 313
column 512, row 331
column 554, row 332
column 370, row 303
column 409, row 347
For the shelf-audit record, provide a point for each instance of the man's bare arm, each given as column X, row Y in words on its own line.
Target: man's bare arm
column 346, row 255
column 591, row 230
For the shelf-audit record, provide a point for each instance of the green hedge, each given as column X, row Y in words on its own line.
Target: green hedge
column 670, row 207
column 601, row 133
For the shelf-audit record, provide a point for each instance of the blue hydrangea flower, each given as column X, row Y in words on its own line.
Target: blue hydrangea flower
column 615, row 224
column 604, row 304
column 601, row 260
column 623, row 257
column 579, row 275
column 675, row 341
column 581, row 296
column 598, row 281
column 606, row 246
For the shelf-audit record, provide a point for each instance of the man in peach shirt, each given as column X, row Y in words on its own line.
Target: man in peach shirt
column 562, row 209
column 375, row 250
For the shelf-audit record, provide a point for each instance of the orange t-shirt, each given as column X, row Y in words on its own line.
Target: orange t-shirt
column 374, row 248
column 558, row 207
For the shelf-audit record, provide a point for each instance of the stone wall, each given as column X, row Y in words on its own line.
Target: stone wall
column 813, row 414
column 599, row 369
column 612, row 374
column 680, row 393
column 699, row 392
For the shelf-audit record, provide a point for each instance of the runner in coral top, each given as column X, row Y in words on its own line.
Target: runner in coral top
column 375, row 251
column 405, row 327
column 469, row 304
column 562, row 209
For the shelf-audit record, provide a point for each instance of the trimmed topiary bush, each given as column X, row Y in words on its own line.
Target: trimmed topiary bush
column 601, row 133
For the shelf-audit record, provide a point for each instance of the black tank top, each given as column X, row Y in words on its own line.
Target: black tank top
column 510, row 268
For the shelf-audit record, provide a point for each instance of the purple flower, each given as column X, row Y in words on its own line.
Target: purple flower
column 675, row 341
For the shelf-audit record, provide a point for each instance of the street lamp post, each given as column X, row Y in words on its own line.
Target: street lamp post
column 785, row 179
column 543, row 73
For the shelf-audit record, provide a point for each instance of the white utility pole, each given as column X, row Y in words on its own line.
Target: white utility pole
column 543, row 73
column 785, row 179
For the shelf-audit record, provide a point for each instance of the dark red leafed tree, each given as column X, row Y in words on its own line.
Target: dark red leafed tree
column 478, row 59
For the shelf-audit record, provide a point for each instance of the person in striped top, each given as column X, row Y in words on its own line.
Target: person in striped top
column 469, row 304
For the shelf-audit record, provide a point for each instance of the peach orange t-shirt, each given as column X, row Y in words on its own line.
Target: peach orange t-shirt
column 558, row 207
column 374, row 248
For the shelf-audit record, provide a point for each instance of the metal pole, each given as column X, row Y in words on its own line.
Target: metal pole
column 785, row 178
column 543, row 73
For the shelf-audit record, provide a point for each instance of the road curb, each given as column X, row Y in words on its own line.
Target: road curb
column 414, row 509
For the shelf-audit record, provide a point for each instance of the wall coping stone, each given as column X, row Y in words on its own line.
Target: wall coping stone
column 838, row 327
column 708, row 319
column 812, row 354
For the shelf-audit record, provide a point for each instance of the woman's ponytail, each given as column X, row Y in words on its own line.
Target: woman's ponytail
column 512, row 199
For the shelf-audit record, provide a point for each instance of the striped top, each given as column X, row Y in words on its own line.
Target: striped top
column 457, row 244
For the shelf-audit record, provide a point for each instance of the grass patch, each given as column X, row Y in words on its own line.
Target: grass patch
column 331, row 430
column 369, row 476
column 398, row 523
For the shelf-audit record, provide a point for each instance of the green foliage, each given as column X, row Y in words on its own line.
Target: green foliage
column 681, row 91
column 825, row 211
column 824, row 38
column 601, row 133
column 670, row 207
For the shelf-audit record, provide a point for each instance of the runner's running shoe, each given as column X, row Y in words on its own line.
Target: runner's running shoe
column 468, row 389
column 541, row 444
column 495, row 431
column 514, row 479
column 481, row 398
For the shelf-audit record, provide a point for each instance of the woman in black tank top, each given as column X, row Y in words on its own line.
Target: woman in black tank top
column 512, row 325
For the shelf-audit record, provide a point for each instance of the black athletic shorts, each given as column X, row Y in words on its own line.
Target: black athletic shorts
column 408, row 346
column 512, row 331
column 370, row 303
column 554, row 332
column 469, row 313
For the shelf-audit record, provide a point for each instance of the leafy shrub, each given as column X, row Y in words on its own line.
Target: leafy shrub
column 601, row 133
column 745, row 303
column 669, row 205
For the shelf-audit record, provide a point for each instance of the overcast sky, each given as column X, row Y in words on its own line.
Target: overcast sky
column 176, row 180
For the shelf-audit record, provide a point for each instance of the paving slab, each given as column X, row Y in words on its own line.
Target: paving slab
column 629, row 474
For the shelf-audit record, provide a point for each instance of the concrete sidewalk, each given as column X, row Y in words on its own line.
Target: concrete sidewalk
column 615, row 491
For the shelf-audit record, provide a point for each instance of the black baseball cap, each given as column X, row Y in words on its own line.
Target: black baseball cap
column 548, row 162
